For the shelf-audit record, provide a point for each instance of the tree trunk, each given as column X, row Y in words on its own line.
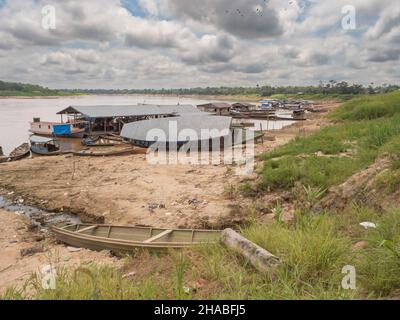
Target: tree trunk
column 260, row 258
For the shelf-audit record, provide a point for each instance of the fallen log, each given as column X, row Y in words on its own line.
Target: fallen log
column 260, row 258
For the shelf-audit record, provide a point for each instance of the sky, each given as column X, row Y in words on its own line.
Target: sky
column 198, row 43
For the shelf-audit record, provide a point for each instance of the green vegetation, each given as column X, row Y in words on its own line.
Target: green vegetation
column 314, row 250
column 341, row 91
column 332, row 90
column 367, row 128
column 12, row 89
column 369, row 108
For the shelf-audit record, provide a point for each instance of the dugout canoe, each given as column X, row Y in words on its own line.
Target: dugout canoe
column 19, row 153
column 102, row 153
column 127, row 239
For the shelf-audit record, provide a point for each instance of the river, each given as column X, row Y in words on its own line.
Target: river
column 15, row 114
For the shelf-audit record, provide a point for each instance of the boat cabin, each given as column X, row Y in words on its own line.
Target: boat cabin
column 70, row 129
column 244, row 107
column 44, row 146
column 105, row 119
column 218, row 108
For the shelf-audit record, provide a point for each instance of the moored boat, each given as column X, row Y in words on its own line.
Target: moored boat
column 56, row 129
column 101, row 153
column 19, row 153
column 44, row 146
column 99, row 141
column 3, row 158
column 127, row 239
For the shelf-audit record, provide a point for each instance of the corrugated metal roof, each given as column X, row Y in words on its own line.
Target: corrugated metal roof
column 108, row 111
column 215, row 105
column 39, row 139
column 141, row 129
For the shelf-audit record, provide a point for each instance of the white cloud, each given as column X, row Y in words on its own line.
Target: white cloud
column 191, row 43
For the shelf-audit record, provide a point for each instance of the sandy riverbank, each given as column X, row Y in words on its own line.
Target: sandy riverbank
column 129, row 190
column 123, row 190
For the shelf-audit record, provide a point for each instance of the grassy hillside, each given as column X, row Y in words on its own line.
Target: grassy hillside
column 314, row 247
column 366, row 129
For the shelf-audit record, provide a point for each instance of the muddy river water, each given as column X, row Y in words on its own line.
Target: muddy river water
column 16, row 114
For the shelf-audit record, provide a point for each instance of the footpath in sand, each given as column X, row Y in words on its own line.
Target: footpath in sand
column 128, row 190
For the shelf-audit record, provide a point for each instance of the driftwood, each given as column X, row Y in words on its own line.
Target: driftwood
column 260, row 258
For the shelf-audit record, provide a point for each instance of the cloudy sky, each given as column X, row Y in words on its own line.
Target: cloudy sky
column 189, row 43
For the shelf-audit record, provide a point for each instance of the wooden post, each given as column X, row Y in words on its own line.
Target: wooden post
column 262, row 137
column 260, row 258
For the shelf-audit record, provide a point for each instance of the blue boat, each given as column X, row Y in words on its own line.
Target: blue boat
column 44, row 146
column 54, row 129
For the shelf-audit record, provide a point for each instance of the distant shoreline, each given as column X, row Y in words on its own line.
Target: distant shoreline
column 200, row 97
column 215, row 98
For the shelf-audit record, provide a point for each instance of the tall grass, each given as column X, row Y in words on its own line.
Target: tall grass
column 333, row 154
column 369, row 107
column 313, row 251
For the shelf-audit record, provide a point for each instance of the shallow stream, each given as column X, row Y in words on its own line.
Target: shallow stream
column 40, row 218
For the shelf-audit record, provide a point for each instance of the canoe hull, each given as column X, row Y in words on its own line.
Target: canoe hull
column 77, row 135
column 129, row 239
column 90, row 153
column 19, row 153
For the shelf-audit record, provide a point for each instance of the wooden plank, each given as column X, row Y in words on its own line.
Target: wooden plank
column 162, row 234
column 87, row 229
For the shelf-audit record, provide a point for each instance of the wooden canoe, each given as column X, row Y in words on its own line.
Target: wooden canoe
column 19, row 153
column 102, row 153
column 100, row 142
column 127, row 239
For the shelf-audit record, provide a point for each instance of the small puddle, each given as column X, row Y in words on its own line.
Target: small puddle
column 40, row 218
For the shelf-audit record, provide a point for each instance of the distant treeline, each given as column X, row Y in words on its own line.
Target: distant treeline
column 23, row 89
column 331, row 88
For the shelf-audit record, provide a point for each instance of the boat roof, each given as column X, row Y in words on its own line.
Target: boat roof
column 109, row 111
column 218, row 126
column 40, row 139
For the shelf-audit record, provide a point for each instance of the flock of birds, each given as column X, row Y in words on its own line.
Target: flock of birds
column 259, row 10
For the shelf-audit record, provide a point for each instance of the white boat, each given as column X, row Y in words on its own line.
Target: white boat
column 56, row 129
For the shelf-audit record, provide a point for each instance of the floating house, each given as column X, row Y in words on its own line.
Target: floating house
column 218, row 108
column 269, row 104
column 111, row 118
column 179, row 130
column 243, row 106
